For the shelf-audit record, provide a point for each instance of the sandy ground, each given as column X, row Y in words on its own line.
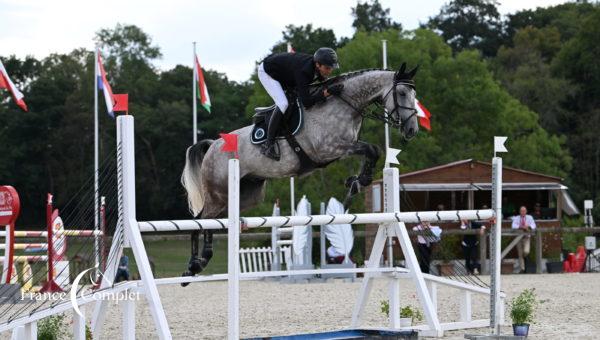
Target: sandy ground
column 571, row 308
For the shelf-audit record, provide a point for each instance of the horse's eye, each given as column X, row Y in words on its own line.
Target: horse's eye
column 402, row 94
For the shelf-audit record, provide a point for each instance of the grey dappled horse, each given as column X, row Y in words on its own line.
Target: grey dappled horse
column 330, row 132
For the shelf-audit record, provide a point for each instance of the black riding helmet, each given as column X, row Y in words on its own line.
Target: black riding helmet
column 326, row 56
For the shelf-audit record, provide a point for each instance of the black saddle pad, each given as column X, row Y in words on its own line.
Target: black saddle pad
column 291, row 123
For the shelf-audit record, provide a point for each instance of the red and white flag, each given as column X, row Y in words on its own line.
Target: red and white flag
column 202, row 90
column 6, row 83
column 104, row 85
column 423, row 115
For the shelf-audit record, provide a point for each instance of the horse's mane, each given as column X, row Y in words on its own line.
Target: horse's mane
column 344, row 76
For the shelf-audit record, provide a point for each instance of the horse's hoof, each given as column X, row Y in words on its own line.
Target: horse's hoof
column 350, row 181
column 186, row 273
column 195, row 266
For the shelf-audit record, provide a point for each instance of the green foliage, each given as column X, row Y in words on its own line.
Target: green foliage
column 405, row 312
column 52, row 328
column 371, row 17
column 468, row 24
column 523, row 306
column 305, row 39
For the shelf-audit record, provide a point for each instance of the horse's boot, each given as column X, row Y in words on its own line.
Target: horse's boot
column 270, row 147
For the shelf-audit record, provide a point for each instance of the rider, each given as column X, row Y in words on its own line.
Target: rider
column 294, row 71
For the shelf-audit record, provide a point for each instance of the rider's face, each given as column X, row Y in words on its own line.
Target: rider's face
column 324, row 70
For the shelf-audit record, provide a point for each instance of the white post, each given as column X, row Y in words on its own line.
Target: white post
column 394, row 302
column 465, row 306
column 323, row 239
column 432, row 287
column 496, row 308
column 96, row 162
column 390, row 241
column 387, row 128
column 194, row 100
column 128, row 317
column 30, row 331
column 132, row 230
column 292, row 184
column 8, row 253
column 392, row 202
column 233, row 246
column 79, row 325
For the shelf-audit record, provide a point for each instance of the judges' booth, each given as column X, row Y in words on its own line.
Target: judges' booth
column 466, row 185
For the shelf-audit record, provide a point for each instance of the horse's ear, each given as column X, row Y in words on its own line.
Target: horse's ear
column 412, row 72
column 402, row 68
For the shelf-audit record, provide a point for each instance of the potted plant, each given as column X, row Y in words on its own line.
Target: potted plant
column 521, row 311
column 407, row 314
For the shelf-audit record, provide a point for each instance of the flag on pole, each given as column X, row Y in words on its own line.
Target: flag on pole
column 423, row 115
column 6, row 83
column 201, row 86
column 105, row 87
column 121, row 102
column 231, row 143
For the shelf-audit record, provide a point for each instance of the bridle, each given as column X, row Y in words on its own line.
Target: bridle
column 389, row 118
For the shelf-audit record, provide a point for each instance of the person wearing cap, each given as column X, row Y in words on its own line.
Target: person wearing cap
column 283, row 72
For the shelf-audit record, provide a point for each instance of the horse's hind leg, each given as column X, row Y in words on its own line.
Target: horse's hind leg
column 371, row 155
column 198, row 261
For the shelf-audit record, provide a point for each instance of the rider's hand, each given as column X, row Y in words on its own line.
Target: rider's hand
column 334, row 90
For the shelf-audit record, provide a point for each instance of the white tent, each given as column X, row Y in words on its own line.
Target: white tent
column 301, row 234
column 340, row 235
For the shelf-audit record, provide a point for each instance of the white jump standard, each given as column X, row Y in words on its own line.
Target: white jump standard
column 391, row 224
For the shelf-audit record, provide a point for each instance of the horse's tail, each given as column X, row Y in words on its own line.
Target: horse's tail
column 191, row 178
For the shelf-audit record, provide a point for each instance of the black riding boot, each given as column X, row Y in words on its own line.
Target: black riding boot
column 270, row 148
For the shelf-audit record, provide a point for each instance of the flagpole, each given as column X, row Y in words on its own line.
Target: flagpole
column 195, row 105
column 385, row 113
column 96, row 166
column 292, row 185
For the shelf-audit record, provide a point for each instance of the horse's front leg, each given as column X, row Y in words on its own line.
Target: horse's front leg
column 371, row 154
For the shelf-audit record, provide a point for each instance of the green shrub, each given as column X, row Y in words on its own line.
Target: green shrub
column 523, row 306
column 52, row 327
column 405, row 312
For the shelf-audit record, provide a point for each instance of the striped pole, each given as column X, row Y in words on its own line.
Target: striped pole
column 288, row 221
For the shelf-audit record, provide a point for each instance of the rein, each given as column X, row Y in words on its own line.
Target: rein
column 386, row 118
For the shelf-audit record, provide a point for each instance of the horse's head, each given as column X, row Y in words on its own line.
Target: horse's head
column 399, row 101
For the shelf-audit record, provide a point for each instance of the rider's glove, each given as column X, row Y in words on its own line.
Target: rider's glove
column 335, row 89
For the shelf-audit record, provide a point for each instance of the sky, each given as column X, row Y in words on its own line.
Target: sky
column 231, row 35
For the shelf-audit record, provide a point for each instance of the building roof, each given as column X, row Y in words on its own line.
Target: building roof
column 471, row 171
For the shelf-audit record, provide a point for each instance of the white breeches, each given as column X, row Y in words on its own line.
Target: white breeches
column 273, row 88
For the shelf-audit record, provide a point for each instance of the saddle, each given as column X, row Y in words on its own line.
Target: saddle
column 290, row 125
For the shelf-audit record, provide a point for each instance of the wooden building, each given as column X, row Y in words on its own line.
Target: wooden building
column 466, row 184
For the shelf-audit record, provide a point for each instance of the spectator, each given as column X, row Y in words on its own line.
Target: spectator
column 123, row 270
column 427, row 236
column 525, row 223
column 470, row 243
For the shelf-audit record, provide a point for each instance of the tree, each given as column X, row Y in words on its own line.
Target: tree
column 305, row 39
column 371, row 17
column 579, row 62
column 566, row 18
column 525, row 72
column 468, row 24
